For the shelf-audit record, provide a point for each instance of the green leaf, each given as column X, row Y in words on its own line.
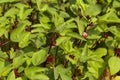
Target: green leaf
column 39, row 40
column 110, row 17
column 64, row 73
column 3, row 21
column 39, row 57
column 11, row 12
column 17, row 34
column 73, row 61
column 100, row 52
column 26, row 13
column 75, row 35
column 61, row 25
column 44, row 19
column 2, row 65
column 117, row 78
column 18, row 61
column 11, row 76
column 24, row 41
column 3, row 55
column 1, row 11
column 40, row 26
column 38, row 30
column 94, row 33
column 19, row 78
column 109, row 1
column 116, row 3
column 82, row 4
column 23, row 13
column 58, row 22
column 115, row 31
column 41, row 7
column 91, row 7
column 6, row 70
column 21, row 5
column 12, row 53
column 28, row 61
column 67, row 46
column 81, row 25
column 110, row 52
column 91, row 2
column 5, row 1
column 2, row 31
column 40, row 77
column 64, row 14
column 94, row 68
column 61, row 39
column 114, row 64
column 34, row 70
column 36, row 73
column 89, row 76
column 83, row 56
column 93, row 36
column 74, row 9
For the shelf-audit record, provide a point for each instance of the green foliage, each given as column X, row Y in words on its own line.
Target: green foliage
column 36, row 73
column 39, row 57
column 114, row 65
column 62, row 72
column 11, row 76
column 59, row 39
